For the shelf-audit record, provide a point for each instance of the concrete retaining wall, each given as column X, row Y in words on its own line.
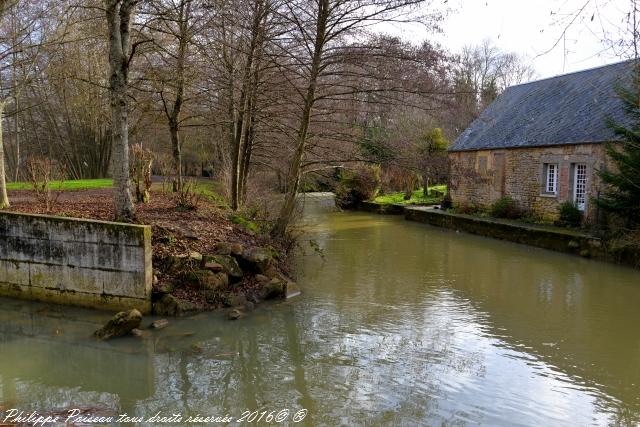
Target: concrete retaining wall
column 79, row 262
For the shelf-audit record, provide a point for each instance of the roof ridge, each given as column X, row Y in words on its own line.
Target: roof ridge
column 586, row 70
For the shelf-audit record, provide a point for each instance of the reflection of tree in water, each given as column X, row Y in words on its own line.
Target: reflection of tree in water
column 248, row 369
column 48, row 361
column 621, row 415
column 338, row 375
column 381, row 371
column 31, row 396
column 379, row 345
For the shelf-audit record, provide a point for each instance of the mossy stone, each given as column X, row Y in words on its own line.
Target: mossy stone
column 235, row 300
column 226, row 248
column 167, row 306
column 206, row 279
column 229, row 265
column 256, row 260
column 120, row 325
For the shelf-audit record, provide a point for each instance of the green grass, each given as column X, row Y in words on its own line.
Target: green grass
column 71, row 185
column 207, row 189
column 247, row 224
column 417, row 198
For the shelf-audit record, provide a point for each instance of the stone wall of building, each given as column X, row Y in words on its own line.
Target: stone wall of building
column 78, row 262
column 479, row 178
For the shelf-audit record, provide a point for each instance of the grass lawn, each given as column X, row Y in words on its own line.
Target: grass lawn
column 206, row 188
column 71, row 185
column 417, row 198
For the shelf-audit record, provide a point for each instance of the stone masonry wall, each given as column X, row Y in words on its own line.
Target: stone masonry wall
column 481, row 177
column 71, row 261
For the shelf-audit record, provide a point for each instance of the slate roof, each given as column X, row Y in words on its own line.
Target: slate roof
column 568, row 109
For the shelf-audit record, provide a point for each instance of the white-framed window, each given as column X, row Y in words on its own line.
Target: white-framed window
column 482, row 164
column 580, row 186
column 551, row 178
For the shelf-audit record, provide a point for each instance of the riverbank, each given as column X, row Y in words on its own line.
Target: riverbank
column 575, row 242
column 204, row 258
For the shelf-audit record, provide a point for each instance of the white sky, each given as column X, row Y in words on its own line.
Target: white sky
column 528, row 28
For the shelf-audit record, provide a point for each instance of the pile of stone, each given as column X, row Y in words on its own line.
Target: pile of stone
column 219, row 276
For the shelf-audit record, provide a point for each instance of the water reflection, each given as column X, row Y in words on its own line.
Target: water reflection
column 399, row 324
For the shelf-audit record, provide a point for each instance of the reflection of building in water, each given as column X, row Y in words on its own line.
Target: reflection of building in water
column 573, row 314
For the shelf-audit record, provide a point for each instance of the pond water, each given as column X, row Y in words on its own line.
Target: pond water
column 399, row 324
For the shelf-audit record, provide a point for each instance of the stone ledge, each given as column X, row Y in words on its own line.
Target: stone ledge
column 546, row 237
column 379, row 208
column 387, row 209
column 74, row 298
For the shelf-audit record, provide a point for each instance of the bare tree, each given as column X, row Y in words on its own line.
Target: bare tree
column 4, row 198
column 8, row 52
column 66, row 113
column 237, row 46
column 19, row 50
column 618, row 28
column 322, row 29
column 245, row 125
column 251, row 88
column 119, row 14
column 172, row 25
column 481, row 73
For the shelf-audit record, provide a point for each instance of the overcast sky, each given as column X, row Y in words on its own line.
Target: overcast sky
column 529, row 28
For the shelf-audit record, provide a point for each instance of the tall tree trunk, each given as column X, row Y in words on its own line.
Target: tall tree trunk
column 251, row 125
column 173, row 116
column 231, row 131
column 295, row 169
column 249, row 139
column 238, row 140
column 119, row 21
column 17, row 129
column 177, row 153
column 238, row 150
column 246, row 158
column 247, row 95
column 232, row 112
column 16, row 103
column 4, row 199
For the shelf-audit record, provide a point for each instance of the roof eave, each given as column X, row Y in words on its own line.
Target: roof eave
column 524, row 147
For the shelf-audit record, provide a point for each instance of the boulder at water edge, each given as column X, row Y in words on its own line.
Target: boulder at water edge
column 256, row 260
column 234, row 314
column 122, row 324
column 169, row 305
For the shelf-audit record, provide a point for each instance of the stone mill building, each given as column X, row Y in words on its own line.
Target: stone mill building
column 541, row 143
